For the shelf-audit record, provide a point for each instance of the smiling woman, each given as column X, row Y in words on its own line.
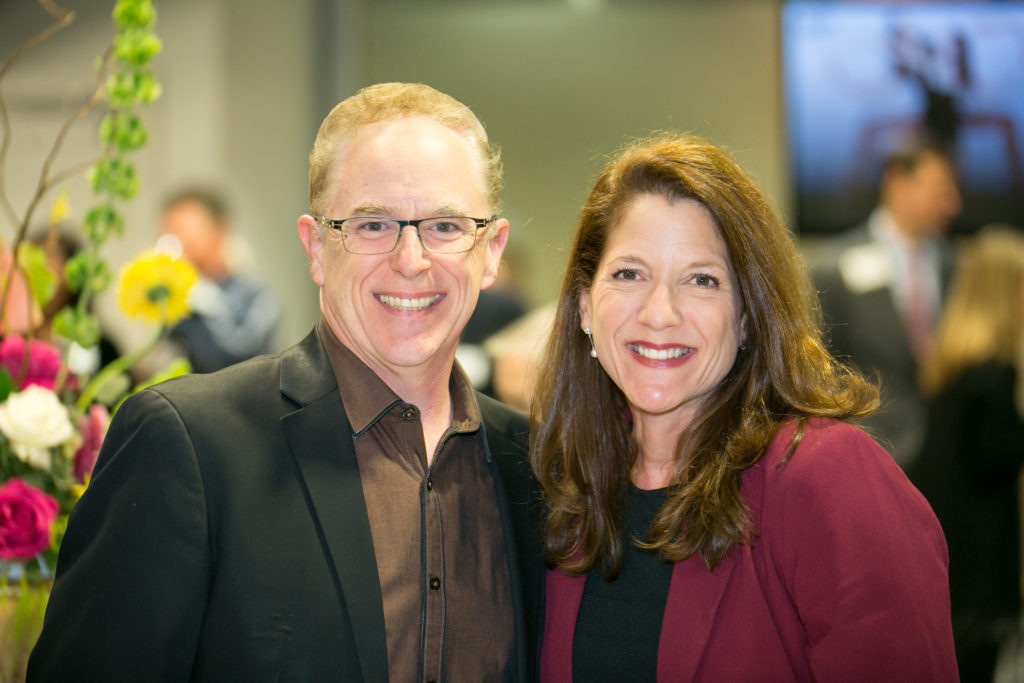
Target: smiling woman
column 705, row 492
column 665, row 317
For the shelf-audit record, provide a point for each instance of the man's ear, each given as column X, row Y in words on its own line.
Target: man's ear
column 313, row 244
column 495, row 248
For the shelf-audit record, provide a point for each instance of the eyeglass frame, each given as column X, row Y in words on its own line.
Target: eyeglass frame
column 336, row 224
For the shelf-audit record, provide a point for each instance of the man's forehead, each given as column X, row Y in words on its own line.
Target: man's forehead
column 373, row 208
column 440, row 175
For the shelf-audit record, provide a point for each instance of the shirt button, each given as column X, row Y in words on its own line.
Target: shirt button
column 430, row 485
column 435, row 583
column 409, row 414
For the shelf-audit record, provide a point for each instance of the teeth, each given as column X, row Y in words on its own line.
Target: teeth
column 407, row 304
column 663, row 354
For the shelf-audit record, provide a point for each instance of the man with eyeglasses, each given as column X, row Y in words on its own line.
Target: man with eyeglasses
column 349, row 509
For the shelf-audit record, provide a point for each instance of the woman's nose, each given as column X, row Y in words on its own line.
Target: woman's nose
column 659, row 308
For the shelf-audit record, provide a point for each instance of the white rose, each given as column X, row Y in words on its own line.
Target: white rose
column 34, row 420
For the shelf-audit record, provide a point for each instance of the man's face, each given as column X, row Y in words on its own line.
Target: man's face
column 925, row 201
column 200, row 237
column 402, row 312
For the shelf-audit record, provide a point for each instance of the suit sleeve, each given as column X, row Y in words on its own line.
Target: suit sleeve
column 132, row 575
column 863, row 559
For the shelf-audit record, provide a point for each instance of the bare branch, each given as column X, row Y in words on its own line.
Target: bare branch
column 5, row 127
column 62, row 19
column 45, row 180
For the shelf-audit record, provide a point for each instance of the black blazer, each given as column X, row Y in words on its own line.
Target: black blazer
column 224, row 536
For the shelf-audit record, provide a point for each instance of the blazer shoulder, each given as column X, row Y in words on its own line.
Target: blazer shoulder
column 502, row 421
column 823, row 447
column 257, row 375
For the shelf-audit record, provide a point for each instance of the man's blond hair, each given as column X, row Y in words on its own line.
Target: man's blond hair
column 393, row 100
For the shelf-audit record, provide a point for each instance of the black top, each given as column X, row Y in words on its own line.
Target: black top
column 619, row 622
column 968, row 472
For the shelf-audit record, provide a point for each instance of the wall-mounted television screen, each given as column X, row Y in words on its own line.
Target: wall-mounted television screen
column 862, row 79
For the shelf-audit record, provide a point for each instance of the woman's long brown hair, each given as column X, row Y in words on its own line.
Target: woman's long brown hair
column 582, row 450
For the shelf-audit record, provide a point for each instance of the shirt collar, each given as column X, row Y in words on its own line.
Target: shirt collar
column 883, row 228
column 367, row 398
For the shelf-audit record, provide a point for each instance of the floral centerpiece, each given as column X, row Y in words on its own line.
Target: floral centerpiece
column 52, row 422
column 55, row 401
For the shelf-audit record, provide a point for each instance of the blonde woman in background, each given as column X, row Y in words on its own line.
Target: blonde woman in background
column 975, row 443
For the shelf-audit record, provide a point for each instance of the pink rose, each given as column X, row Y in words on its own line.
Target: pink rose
column 43, row 361
column 93, row 428
column 26, row 520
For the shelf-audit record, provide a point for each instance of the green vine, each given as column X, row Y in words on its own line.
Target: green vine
column 124, row 83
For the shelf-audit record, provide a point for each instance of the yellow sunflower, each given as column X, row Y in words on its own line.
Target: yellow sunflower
column 155, row 287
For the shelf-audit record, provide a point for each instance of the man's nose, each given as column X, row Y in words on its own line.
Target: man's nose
column 410, row 257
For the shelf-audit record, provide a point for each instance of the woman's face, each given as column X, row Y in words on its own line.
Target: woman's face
column 664, row 308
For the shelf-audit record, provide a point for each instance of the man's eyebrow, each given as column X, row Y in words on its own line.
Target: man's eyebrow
column 386, row 212
column 370, row 210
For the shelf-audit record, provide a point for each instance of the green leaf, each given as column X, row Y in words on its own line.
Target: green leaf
column 136, row 46
column 114, row 176
column 147, row 90
column 102, row 221
column 86, row 270
column 114, row 389
column 121, row 89
column 124, row 130
column 6, row 383
column 134, row 13
column 77, row 326
column 126, row 88
column 42, row 282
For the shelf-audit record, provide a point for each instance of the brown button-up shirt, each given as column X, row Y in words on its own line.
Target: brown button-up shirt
column 437, row 533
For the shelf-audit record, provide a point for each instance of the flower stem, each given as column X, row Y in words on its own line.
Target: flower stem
column 113, row 369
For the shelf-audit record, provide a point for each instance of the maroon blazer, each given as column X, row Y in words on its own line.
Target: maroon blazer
column 846, row 579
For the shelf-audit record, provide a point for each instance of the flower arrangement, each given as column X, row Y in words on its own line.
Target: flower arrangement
column 52, row 424
column 54, row 408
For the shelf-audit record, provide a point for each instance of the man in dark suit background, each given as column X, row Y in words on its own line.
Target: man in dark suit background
column 348, row 509
column 881, row 287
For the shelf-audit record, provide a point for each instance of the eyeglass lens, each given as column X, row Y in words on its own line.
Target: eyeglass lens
column 447, row 235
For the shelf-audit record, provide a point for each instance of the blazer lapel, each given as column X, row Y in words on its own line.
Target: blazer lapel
column 563, row 595
column 507, row 462
column 690, row 612
column 321, row 444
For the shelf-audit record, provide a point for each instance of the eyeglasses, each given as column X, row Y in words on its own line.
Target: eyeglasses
column 375, row 235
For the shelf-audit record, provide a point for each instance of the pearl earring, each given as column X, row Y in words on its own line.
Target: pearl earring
column 593, row 349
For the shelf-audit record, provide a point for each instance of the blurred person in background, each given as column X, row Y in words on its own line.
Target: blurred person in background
column 234, row 316
column 712, row 515
column 881, row 289
column 517, row 351
column 974, row 448
column 498, row 307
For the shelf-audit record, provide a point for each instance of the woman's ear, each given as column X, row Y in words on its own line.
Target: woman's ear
column 584, row 304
